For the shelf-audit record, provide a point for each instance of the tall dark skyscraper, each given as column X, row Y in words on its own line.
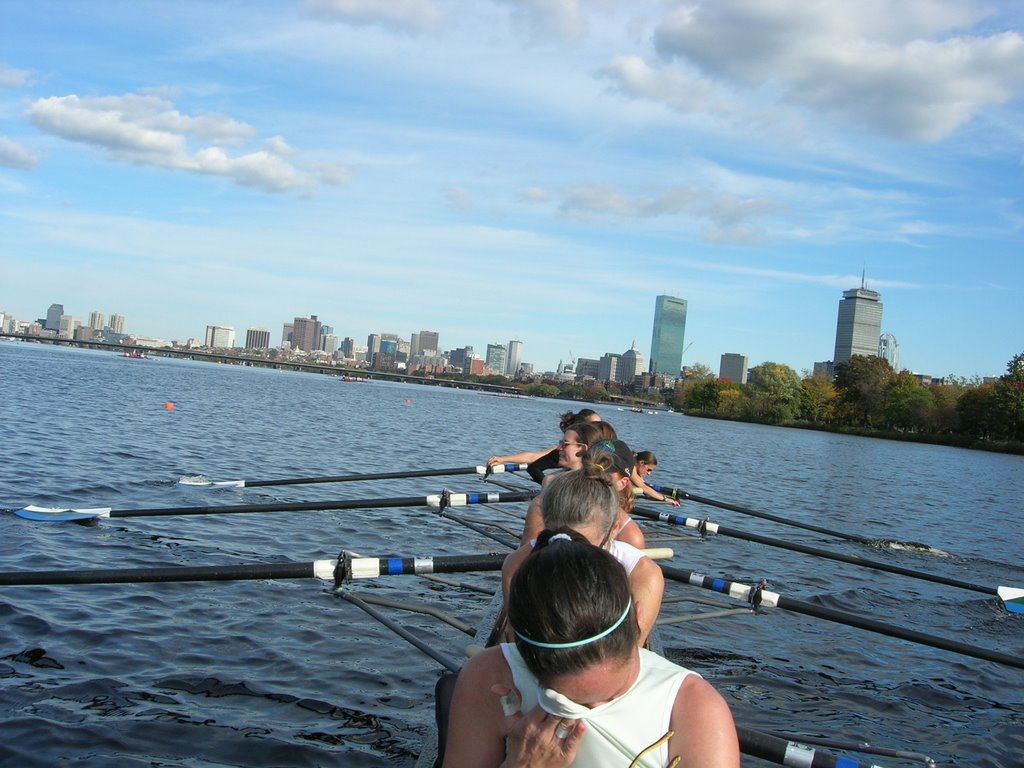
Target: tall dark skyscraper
column 859, row 325
column 306, row 333
column 53, row 315
column 667, row 336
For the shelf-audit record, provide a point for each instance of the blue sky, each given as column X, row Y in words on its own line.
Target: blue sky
column 536, row 170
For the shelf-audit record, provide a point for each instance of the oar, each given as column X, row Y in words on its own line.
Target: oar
column 328, row 570
column 442, row 500
column 402, row 632
column 679, row 493
column 1012, row 597
column 202, row 482
column 758, row 596
column 356, row 567
column 786, row 752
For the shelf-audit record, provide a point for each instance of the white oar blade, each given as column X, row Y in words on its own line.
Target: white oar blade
column 1013, row 598
column 202, row 482
column 56, row 515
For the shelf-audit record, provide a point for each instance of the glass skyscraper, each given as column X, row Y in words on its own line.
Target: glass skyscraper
column 859, row 325
column 667, row 336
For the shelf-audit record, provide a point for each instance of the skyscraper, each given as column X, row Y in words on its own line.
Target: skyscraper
column 859, row 325
column 889, row 348
column 631, row 364
column 257, row 338
column 513, row 357
column 116, row 323
column 667, row 336
column 306, row 333
column 424, row 343
column 96, row 321
column 495, row 358
column 220, row 336
column 53, row 315
column 733, row 367
column 608, row 367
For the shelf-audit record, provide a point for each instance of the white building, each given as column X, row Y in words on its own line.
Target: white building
column 220, row 336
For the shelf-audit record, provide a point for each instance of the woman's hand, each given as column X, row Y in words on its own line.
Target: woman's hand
column 537, row 739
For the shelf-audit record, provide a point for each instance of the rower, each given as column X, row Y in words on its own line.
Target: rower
column 647, row 462
column 575, row 688
column 587, row 500
column 546, row 458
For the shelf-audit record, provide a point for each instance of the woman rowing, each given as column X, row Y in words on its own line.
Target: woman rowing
column 647, row 462
column 587, row 501
column 616, row 459
column 547, row 458
column 575, row 688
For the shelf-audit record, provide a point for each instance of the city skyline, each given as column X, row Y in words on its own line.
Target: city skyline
column 528, row 171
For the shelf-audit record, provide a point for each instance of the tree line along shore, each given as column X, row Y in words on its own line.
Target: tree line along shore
column 865, row 397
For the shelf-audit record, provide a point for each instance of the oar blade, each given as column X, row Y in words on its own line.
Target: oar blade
column 198, row 481
column 57, row 515
column 1013, row 598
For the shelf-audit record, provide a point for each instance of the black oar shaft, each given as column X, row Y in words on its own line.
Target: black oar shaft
column 402, row 632
column 743, row 591
column 815, row 551
column 679, row 493
column 306, row 506
column 366, row 476
column 286, row 570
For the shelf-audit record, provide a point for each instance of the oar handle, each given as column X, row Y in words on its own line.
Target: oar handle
column 784, row 752
column 372, row 567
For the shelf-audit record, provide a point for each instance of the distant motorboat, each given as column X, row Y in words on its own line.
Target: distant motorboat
column 135, row 355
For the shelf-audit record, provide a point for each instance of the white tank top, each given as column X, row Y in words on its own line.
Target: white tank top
column 618, row 730
column 627, row 555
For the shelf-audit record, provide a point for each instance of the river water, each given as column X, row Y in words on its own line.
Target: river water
column 283, row 673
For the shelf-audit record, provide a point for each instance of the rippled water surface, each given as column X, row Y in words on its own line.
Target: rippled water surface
column 284, row 673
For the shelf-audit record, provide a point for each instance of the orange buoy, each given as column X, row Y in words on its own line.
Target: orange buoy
column 168, row 406
column 408, row 402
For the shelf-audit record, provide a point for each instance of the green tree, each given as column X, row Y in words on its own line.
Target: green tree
column 942, row 418
column 596, row 392
column 978, row 413
column 818, row 399
column 699, row 371
column 1009, row 395
column 861, row 383
column 541, row 390
column 907, row 401
column 703, row 396
column 773, row 393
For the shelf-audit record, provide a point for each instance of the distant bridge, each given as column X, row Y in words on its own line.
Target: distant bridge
column 263, row 362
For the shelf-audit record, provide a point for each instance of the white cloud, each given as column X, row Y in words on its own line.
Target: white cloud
column 548, row 19
column 458, row 198
column 13, row 78
column 13, row 155
column 607, row 199
column 402, row 15
column 904, row 70
column 148, row 130
column 633, row 77
column 533, row 195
